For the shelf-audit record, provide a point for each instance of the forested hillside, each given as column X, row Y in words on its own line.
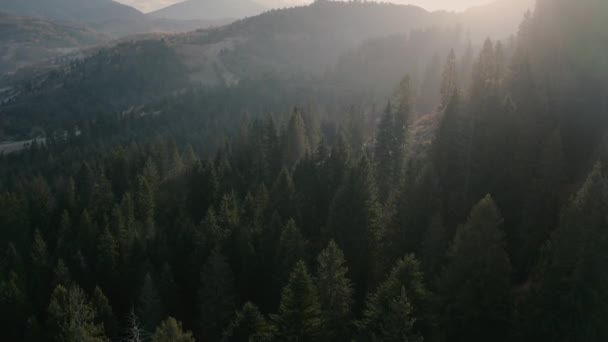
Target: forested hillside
column 469, row 205
column 71, row 10
column 303, row 44
column 25, row 41
column 210, row 9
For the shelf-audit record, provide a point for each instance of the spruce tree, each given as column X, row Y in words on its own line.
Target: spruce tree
column 149, row 308
column 449, row 82
column 292, row 248
column 335, row 292
column 249, row 325
column 570, row 297
column 354, row 223
column 71, row 317
column 398, row 309
column 385, row 153
column 475, row 286
column 170, row 330
column 216, row 296
column 295, row 141
column 104, row 313
column 144, row 208
column 299, row 317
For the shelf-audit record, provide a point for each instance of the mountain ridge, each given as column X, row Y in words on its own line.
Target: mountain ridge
column 209, row 10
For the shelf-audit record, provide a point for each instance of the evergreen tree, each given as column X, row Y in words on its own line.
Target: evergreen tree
column 295, row 141
column 249, row 325
column 451, row 160
column 570, row 297
column 449, row 83
column 217, row 300
column 416, row 200
column 39, row 272
column 170, row 330
column 282, row 195
column 354, row 223
column 292, row 248
column 475, row 286
column 149, row 308
column 430, row 86
column 391, row 310
column 13, row 306
column 144, row 208
column 61, row 274
column 104, row 313
column 299, row 317
column 335, row 292
column 72, row 318
column 107, row 256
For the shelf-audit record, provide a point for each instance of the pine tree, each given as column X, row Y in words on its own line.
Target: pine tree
column 475, row 286
column 451, row 160
column 354, row 224
column 299, row 317
column 449, row 83
column 144, row 208
column 428, row 98
column 295, row 141
column 571, row 295
column 61, row 274
column 72, row 318
column 335, row 292
column 282, row 195
column 391, row 310
column 434, row 246
column 249, row 325
column 39, row 275
column 292, row 248
column 416, row 200
column 385, row 153
column 217, row 300
column 13, row 306
column 149, row 308
column 104, row 313
column 170, row 330
column 107, row 256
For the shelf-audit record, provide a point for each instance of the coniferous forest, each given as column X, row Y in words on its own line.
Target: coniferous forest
column 470, row 208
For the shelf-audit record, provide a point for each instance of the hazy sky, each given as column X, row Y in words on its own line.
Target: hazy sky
column 150, row 5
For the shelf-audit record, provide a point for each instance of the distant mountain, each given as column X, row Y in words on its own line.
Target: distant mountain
column 25, row 41
column 210, row 10
column 71, row 10
column 296, row 43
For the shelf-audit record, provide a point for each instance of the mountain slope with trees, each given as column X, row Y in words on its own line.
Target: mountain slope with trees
column 210, row 10
column 298, row 43
column 320, row 225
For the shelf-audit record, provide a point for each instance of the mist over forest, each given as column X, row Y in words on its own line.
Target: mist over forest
column 239, row 171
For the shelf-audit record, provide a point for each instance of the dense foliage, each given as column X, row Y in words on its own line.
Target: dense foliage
column 308, row 226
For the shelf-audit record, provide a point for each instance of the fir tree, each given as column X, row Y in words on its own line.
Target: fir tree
column 144, row 208
column 354, row 223
column 391, row 310
column 72, row 318
column 335, row 292
column 104, row 313
column 299, row 317
column 475, row 286
column 149, row 308
column 571, row 295
column 217, row 300
column 449, row 83
column 295, row 141
column 249, row 325
column 170, row 330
